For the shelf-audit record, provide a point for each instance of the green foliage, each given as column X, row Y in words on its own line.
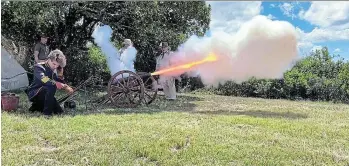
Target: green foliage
column 190, row 83
column 98, row 61
column 343, row 76
column 70, row 25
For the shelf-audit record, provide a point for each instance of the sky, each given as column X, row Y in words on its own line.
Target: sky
column 318, row 23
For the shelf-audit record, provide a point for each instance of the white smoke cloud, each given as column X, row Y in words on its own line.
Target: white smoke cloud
column 115, row 62
column 262, row 48
column 128, row 57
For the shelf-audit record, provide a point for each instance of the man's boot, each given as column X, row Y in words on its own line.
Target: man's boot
column 32, row 108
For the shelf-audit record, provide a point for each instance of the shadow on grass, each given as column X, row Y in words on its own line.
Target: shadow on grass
column 256, row 114
column 183, row 103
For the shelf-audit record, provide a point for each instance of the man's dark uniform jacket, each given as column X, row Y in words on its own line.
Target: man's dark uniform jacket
column 44, row 77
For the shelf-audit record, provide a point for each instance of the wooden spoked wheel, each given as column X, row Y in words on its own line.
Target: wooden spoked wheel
column 150, row 87
column 125, row 89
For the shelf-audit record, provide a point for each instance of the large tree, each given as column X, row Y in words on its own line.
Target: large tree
column 70, row 25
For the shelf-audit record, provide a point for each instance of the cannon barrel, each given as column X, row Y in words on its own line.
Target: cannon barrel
column 142, row 75
column 145, row 74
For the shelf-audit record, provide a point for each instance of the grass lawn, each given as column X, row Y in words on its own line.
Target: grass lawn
column 196, row 129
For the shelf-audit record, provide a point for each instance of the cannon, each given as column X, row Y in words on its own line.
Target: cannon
column 124, row 89
column 132, row 89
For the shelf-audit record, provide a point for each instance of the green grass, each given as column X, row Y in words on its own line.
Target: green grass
column 194, row 130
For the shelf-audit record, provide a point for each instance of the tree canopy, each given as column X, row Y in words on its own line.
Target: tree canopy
column 70, row 25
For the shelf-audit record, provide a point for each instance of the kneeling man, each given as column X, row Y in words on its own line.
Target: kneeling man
column 46, row 81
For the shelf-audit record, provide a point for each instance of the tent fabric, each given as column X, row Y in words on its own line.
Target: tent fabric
column 13, row 75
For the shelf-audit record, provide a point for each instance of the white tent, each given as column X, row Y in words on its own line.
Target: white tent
column 13, row 75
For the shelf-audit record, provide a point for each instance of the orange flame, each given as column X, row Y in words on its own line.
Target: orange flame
column 210, row 58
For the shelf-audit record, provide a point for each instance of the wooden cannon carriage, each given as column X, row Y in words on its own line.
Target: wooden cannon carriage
column 125, row 89
column 133, row 89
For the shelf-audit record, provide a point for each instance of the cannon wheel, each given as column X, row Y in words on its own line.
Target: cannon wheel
column 125, row 89
column 150, row 87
